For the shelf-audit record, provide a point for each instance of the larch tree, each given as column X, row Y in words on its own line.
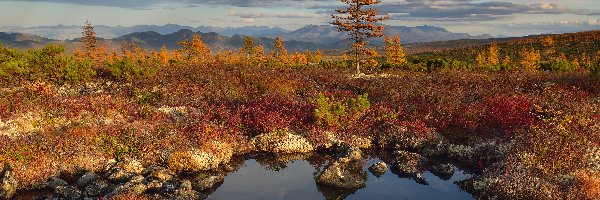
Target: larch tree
column 494, row 55
column 281, row 54
column 360, row 24
column 89, row 40
column 196, row 51
column 394, row 51
column 249, row 47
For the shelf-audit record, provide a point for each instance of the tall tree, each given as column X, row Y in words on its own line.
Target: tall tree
column 249, row 47
column 89, row 40
column 360, row 24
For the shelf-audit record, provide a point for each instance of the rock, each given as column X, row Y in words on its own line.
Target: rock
column 97, row 188
column 55, row 182
column 86, row 179
column 161, row 174
column 406, row 163
column 8, row 183
column 155, row 186
column 136, row 185
column 281, row 142
column 378, row 169
column 69, row 192
column 346, row 172
column 461, row 153
column 349, row 154
column 204, row 182
column 435, row 150
column 343, row 175
column 186, row 185
column 201, row 160
column 188, row 195
column 443, row 171
column 124, row 170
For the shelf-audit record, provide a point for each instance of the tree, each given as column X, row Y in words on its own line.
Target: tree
column 360, row 24
column 195, row 51
column 394, row 51
column 530, row 59
column 249, row 47
column 89, row 40
column 494, row 55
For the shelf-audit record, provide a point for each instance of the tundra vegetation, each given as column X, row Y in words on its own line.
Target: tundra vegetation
column 525, row 113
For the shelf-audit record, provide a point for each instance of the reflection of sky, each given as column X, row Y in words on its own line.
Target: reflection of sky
column 253, row 181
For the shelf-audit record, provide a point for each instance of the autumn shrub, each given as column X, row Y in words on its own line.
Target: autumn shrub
column 507, row 114
column 595, row 71
column 272, row 113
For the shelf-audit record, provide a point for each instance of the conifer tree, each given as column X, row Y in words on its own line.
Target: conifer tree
column 360, row 24
column 249, row 47
column 394, row 51
column 494, row 55
column 89, row 40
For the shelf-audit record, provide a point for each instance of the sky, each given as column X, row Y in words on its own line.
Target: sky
column 498, row 17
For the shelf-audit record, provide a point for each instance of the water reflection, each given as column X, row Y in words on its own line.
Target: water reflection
column 293, row 177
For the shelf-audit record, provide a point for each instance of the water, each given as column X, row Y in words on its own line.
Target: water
column 295, row 180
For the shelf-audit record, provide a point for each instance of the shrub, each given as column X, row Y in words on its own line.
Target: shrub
column 128, row 69
column 506, row 114
column 560, row 66
column 337, row 114
column 78, row 71
column 595, row 71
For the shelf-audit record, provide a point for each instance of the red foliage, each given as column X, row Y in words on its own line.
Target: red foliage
column 507, row 114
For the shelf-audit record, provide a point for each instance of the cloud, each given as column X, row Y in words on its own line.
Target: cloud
column 464, row 10
column 274, row 15
column 189, row 3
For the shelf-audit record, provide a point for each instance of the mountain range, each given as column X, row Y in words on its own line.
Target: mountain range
column 323, row 34
column 310, row 37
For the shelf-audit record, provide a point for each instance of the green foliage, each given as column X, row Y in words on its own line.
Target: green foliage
column 560, row 66
column 127, row 69
column 78, row 71
column 334, row 113
column 595, row 71
column 120, row 145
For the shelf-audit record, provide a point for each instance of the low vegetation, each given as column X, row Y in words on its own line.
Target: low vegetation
column 63, row 113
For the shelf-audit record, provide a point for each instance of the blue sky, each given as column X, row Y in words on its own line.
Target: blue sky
column 506, row 17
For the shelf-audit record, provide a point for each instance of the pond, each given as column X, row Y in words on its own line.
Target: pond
column 296, row 180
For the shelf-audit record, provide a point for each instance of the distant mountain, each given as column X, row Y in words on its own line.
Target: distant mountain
column 323, row 34
column 154, row 40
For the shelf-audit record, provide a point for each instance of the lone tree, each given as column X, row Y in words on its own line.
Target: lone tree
column 89, row 39
column 360, row 24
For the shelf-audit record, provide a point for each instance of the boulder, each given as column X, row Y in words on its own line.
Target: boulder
column 406, row 163
column 122, row 171
column 443, row 171
column 69, row 192
column 209, row 158
column 345, row 173
column 97, row 188
column 378, row 169
column 281, row 142
column 87, row 178
column 55, row 182
column 203, row 182
column 8, row 183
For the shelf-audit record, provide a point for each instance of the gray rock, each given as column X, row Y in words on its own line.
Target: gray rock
column 343, row 175
column 55, row 182
column 378, row 169
column 87, row 178
column 8, row 183
column 207, row 181
column 443, row 171
column 161, row 175
column 97, row 188
column 68, row 192
column 406, row 163
column 124, row 170
column 186, row 185
column 346, row 172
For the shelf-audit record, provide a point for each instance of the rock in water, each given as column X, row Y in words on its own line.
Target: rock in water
column 346, row 172
column 281, row 142
column 378, row 169
column 8, row 183
column 69, row 192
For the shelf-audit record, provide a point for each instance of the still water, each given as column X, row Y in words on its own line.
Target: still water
column 295, row 180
